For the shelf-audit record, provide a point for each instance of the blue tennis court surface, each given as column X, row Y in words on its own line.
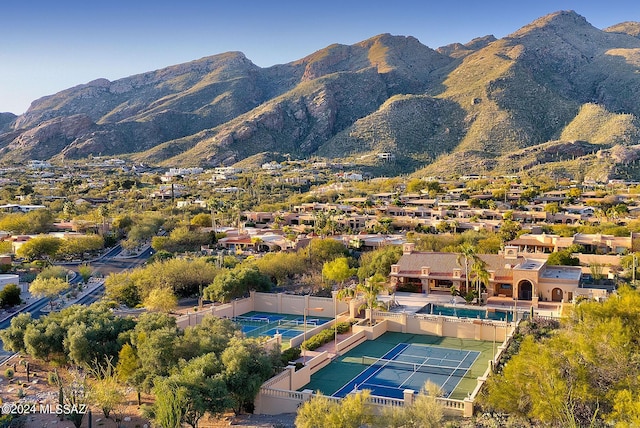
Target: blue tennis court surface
column 410, row 366
column 255, row 324
column 286, row 334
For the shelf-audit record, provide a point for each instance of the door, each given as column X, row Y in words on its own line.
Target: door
column 525, row 290
column 557, row 295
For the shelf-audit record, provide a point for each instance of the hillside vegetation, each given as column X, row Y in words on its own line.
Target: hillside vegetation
column 462, row 107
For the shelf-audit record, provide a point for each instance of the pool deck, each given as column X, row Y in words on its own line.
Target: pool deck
column 413, row 302
column 544, row 308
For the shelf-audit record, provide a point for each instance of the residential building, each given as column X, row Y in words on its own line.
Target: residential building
column 511, row 275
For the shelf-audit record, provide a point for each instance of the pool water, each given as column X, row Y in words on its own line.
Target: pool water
column 453, row 311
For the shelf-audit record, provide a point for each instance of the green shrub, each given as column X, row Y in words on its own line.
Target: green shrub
column 290, row 354
column 52, row 378
column 325, row 336
column 8, row 373
column 343, row 327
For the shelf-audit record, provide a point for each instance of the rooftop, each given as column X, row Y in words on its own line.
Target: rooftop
column 562, row 272
column 531, row 264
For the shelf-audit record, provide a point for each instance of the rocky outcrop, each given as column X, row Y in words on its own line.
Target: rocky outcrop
column 459, row 50
column 457, row 105
column 49, row 138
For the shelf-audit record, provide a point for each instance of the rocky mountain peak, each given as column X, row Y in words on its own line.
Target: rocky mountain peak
column 461, row 106
column 631, row 28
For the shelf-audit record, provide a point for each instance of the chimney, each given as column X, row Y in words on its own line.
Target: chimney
column 511, row 252
column 407, row 248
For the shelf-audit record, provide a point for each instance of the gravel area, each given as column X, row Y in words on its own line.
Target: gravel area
column 285, row 420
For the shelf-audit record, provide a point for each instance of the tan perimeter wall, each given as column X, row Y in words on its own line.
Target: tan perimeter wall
column 281, row 393
column 269, row 302
column 437, row 325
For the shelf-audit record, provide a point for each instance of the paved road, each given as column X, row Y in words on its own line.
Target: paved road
column 108, row 263
column 111, row 263
column 34, row 309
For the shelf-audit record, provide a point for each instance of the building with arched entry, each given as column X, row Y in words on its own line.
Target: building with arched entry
column 510, row 274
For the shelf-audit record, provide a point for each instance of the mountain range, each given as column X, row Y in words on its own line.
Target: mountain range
column 557, row 97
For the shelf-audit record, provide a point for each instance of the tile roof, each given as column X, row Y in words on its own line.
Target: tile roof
column 443, row 264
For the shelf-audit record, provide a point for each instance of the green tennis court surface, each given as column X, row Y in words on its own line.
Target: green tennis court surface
column 410, row 366
column 339, row 373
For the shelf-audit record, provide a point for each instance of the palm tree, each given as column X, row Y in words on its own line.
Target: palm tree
column 69, row 209
column 277, row 221
column 213, row 205
column 368, row 204
column 480, row 274
column 384, row 225
column 257, row 243
column 369, row 291
column 104, row 212
column 319, row 222
column 346, row 294
column 467, row 255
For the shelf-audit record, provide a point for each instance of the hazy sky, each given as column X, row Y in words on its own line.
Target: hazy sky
column 50, row 45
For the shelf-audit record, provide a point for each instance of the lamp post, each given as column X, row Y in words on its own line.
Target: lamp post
column 335, row 323
column 304, row 322
column 494, row 341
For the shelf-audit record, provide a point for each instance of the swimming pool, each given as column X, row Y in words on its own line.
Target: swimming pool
column 454, row 311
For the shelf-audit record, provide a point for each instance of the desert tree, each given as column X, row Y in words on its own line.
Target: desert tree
column 48, row 287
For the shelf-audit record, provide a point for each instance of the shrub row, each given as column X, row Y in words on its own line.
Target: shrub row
column 325, row 336
column 290, row 354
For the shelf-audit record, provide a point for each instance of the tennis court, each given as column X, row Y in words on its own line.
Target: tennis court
column 347, row 367
column 410, row 366
column 257, row 324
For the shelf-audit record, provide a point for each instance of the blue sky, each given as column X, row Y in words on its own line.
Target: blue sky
column 50, row 45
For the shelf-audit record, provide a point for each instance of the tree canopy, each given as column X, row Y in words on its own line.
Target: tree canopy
column 34, row 222
column 338, row 270
column 355, row 411
column 48, row 287
column 78, row 334
column 246, row 366
column 237, row 282
column 281, row 267
column 325, row 250
column 51, row 247
column 10, row 295
column 161, row 299
column 581, row 374
column 562, row 258
column 378, row 261
column 40, row 247
column 185, row 276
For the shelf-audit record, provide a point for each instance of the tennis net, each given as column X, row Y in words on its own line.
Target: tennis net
column 296, row 323
column 414, row 367
column 256, row 321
